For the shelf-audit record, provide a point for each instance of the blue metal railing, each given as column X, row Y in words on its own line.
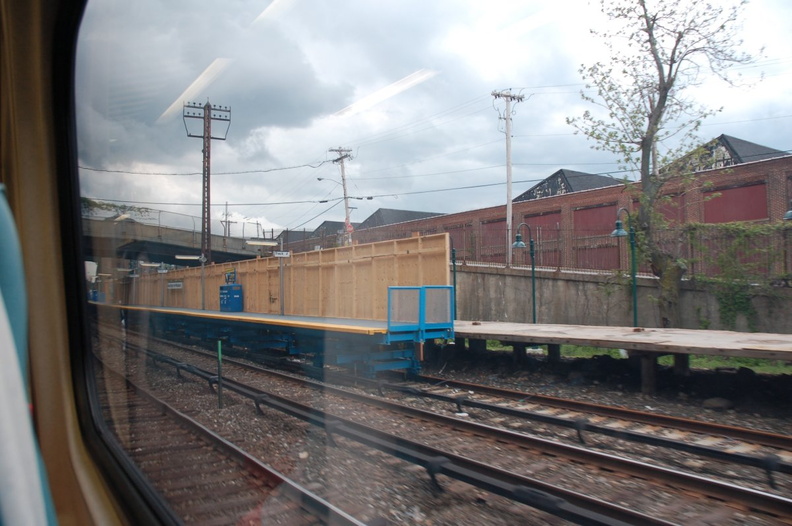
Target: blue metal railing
column 420, row 313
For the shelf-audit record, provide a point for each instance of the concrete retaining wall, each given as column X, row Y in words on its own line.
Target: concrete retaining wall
column 501, row 294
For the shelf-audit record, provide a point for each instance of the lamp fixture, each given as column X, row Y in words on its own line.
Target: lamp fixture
column 260, row 242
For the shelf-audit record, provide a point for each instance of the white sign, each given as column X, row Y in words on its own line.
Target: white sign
column 281, row 254
column 175, row 285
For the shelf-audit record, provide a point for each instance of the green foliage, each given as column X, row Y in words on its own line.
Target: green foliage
column 578, row 351
column 703, row 322
column 736, row 298
column 658, row 50
column 739, row 259
column 638, row 102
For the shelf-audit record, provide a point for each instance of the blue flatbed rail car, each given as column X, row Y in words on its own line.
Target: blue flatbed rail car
column 366, row 346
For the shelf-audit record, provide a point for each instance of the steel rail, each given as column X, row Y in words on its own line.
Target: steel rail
column 752, row 499
column 728, row 492
column 313, row 504
column 759, row 437
column 560, row 502
column 769, row 463
column 569, row 505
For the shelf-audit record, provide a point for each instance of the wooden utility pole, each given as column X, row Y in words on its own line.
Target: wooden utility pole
column 507, row 115
column 344, row 154
column 226, row 226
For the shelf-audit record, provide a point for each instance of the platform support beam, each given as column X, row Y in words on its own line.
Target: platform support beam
column 519, row 352
column 681, row 365
column 553, row 352
column 648, row 373
column 477, row 346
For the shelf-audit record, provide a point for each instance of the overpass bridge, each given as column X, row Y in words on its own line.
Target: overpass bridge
column 132, row 240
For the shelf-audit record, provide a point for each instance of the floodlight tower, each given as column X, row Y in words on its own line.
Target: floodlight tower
column 207, row 113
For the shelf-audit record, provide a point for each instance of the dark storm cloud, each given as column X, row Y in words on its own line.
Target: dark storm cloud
column 292, row 71
column 132, row 67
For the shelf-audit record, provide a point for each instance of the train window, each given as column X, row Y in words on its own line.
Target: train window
column 260, row 298
column 217, row 206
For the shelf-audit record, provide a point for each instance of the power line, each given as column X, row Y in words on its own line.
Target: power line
column 425, row 159
column 399, row 131
column 321, row 163
column 317, row 215
column 243, row 172
column 613, row 173
column 278, row 203
column 420, row 126
column 746, row 120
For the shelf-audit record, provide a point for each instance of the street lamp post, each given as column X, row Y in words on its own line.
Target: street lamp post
column 620, row 232
column 519, row 243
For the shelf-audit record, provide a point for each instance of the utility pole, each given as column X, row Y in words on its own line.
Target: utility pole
column 508, row 97
column 226, row 226
column 344, row 154
column 207, row 113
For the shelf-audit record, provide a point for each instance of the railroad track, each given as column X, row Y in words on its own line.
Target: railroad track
column 769, row 452
column 773, row 440
column 701, row 488
column 197, row 476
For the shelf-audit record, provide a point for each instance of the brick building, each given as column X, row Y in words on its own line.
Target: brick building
column 735, row 181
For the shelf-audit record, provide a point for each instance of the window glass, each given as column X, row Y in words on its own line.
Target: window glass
column 296, row 160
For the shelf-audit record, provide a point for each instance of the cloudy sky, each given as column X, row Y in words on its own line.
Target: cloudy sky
column 405, row 85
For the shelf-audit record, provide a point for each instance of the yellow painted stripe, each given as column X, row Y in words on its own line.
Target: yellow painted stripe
column 258, row 318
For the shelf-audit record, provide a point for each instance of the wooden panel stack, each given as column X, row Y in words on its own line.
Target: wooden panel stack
column 345, row 282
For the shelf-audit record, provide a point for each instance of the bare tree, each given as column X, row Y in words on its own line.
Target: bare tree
column 658, row 50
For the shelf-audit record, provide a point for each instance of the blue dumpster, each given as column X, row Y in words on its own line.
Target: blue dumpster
column 231, row 299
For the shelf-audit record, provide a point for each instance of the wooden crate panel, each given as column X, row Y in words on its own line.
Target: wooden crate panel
column 344, row 282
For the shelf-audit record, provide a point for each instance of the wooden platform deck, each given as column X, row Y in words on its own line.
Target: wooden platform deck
column 646, row 342
column 666, row 341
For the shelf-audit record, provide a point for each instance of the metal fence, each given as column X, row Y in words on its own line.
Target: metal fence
column 708, row 250
column 711, row 250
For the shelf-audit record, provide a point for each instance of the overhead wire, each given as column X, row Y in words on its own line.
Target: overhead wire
column 241, row 172
column 392, row 134
column 372, row 196
column 317, row 215
column 398, row 131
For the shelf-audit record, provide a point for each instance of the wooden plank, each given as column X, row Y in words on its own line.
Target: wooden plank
column 344, row 282
column 678, row 341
